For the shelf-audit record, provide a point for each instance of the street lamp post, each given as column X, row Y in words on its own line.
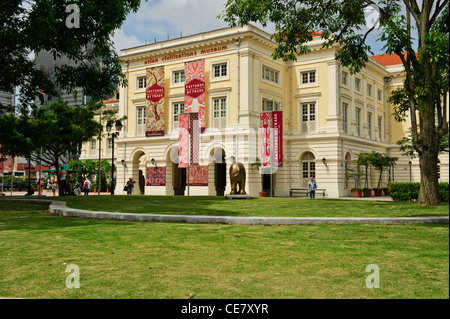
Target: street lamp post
column 410, row 173
column 114, row 135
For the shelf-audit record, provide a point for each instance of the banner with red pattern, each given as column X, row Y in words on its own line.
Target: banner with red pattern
column 154, row 114
column 6, row 163
column 198, row 176
column 189, row 140
column 265, row 146
column 271, row 139
column 156, row 176
column 183, row 140
column 194, row 89
column 277, row 129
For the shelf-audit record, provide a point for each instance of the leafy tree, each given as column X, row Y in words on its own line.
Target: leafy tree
column 34, row 26
column 379, row 162
column 89, row 168
column 426, row 63
column 364, row 159
column 49, row 133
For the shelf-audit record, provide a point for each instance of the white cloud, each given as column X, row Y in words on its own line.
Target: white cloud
column 121, row 40
column 158, row 19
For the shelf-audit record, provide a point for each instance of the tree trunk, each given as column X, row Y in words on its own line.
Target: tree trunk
column 429, row 186
column 428, row 157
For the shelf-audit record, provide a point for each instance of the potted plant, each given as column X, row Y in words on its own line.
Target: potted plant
column 357, row 192
column 380, row 161
column 356, row 175
column 365, row 159
column 386, row 191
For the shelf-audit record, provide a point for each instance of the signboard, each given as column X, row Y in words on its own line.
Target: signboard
column 154, row 114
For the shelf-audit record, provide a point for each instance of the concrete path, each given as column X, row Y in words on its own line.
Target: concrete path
column 60, row 208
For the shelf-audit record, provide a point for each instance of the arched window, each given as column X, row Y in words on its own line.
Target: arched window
column 308, row 166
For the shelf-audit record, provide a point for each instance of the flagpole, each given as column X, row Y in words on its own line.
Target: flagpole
column 189, row 152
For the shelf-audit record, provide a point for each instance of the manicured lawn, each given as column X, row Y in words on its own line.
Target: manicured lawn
column 276, row 207
column 119, row 259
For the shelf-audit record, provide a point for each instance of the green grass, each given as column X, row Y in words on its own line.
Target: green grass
column 276, row 207
column 119, row 259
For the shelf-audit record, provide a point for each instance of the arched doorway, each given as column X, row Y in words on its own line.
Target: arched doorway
column 138, row 169
column 178, row 173
column 220, row 171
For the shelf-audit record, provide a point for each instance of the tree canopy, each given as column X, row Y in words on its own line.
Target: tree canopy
column 424, row 94
column 28, row 27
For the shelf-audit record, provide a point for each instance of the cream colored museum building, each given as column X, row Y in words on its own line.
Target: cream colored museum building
column 329, row 115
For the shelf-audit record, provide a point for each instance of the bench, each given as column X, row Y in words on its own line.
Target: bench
column 305, row 191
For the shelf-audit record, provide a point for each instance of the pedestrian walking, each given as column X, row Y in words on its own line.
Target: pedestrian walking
column 86, row 186
column 62, row 180
column 130, row 185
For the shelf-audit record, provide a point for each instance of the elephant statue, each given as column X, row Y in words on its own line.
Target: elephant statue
column 237, row 176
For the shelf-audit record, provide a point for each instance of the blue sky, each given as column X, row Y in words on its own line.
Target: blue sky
column 159, row 19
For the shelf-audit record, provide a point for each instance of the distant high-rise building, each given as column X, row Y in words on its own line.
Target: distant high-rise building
column 7, row 102
column 46, row 61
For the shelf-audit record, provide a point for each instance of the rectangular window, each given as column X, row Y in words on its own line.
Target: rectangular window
column 140, row 121
column 178, row 108
column 345, row 117
column 93, row 145
column 219, row 112
column 220, row 108
column 220, row 70
column 308, row 77
column 369, row 124
column 358, row 121
column 380, row 125
column 270, row 74
column 369, row 90
column 380, row 95
column 271, row 105
column 344, row 78
column 141, row 83
column 308, row 117
column 178, row 77
column 358, row 85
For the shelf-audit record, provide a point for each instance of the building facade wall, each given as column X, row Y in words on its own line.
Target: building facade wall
column 329, row 115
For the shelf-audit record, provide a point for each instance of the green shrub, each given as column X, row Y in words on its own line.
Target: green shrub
column 443, row 191
column 410, row 191
column 404, row 191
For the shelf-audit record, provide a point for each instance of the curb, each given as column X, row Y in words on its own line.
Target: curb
column 59, row 208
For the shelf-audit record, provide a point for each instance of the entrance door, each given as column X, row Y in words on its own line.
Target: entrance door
column 220, row 173
column 179, row 179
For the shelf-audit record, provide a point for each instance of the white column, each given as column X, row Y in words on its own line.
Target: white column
column 333, row 99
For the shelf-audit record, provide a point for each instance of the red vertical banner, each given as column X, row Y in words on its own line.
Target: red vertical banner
column 189, row 140
column 264, row 139
column 194, row 133
column 183, row 133
column 194, row 90
column 277, row 126
column 154, row 114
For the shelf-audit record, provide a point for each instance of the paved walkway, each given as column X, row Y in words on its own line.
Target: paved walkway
column 60, row 208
